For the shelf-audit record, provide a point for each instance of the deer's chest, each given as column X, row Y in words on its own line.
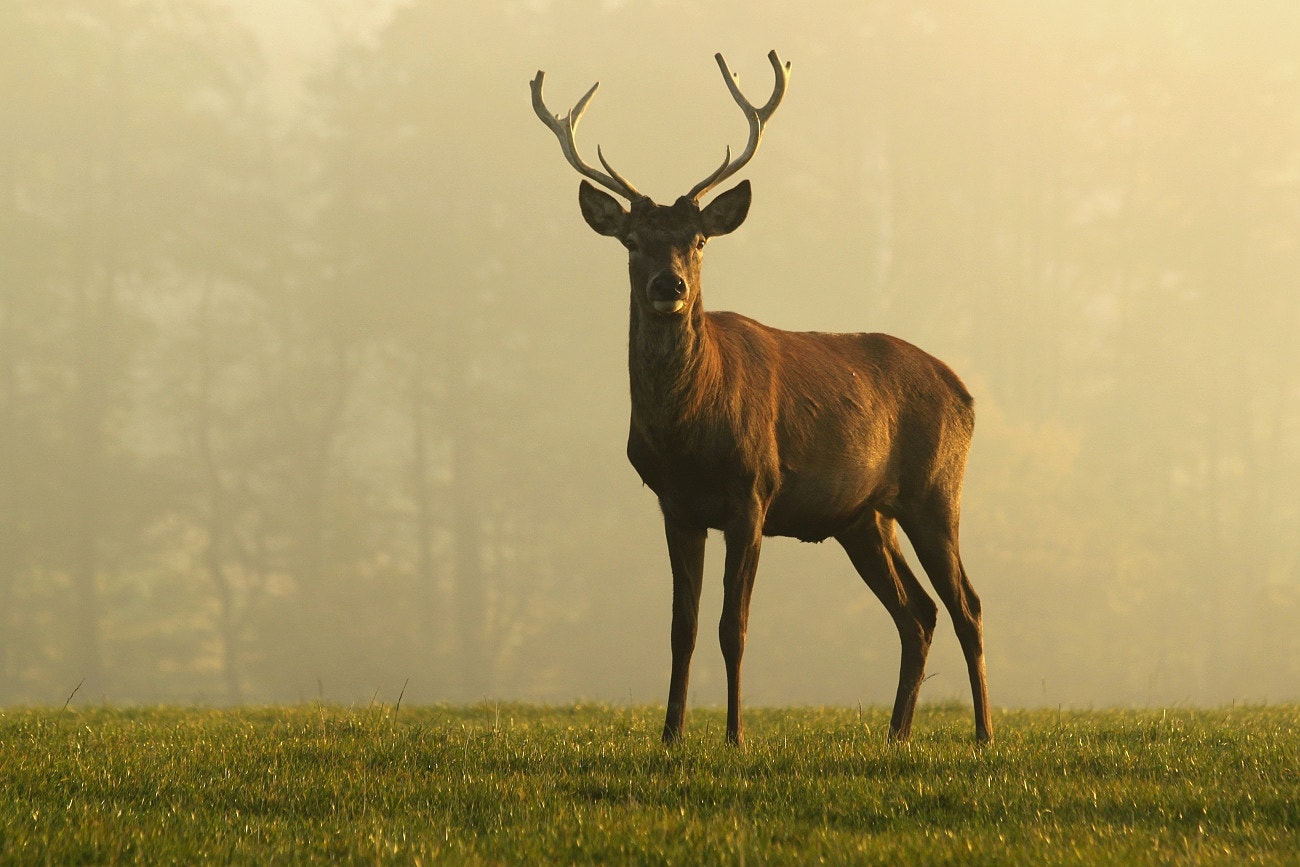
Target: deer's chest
column 695, row 481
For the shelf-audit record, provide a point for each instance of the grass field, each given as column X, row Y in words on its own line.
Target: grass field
column 522, row 784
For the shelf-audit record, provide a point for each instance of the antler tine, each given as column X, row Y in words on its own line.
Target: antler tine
column 630, row 191
column 564, row 127
column 757, row 118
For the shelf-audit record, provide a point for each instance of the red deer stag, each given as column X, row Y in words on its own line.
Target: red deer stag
column 759, row 432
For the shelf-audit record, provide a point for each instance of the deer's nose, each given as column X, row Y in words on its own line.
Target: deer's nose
column 666, row 292
column 666, row 286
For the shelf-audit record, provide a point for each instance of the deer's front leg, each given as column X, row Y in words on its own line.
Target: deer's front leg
column 686, row 554
column 744, row 541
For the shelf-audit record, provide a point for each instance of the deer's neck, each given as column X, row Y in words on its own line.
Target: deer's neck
column 674, row 367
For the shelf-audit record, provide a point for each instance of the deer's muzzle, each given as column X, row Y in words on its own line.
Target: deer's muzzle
column 666, row 292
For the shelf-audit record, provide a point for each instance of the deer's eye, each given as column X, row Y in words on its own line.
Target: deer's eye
column 699, row 244
column 631, row 244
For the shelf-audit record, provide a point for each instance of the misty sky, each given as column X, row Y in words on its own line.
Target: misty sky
column 314, row 381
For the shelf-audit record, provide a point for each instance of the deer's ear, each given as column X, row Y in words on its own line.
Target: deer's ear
column 601, row 210
column 725, row 213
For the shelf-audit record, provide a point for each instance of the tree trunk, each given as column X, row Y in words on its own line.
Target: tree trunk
column 467, row 529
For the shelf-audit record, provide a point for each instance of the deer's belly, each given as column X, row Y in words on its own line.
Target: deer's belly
column 813, row 524
column 812, row 509
column 698, row 494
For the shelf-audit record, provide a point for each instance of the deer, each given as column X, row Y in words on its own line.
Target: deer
column 757, row 432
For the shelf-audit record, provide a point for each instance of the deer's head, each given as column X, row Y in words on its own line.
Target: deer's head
column 665, row 243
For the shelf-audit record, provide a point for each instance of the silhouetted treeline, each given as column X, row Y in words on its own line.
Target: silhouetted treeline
column 330, row 399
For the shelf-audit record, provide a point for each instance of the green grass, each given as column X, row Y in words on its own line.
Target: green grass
column 521, row 784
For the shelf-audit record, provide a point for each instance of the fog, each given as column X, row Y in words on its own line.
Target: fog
column 313, row 381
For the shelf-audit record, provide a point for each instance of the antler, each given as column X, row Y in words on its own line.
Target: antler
column 757, row 121
column 564, row 127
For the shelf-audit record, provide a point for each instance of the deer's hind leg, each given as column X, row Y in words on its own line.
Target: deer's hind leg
column 934, row 537
column 872, row 546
